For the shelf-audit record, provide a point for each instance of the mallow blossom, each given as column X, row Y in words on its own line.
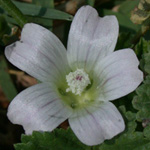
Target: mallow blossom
column 77, row 84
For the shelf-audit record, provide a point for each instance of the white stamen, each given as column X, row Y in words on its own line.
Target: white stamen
column 77, row 81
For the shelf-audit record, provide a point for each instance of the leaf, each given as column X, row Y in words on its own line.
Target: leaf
column 45, row 3
column 13, row 11
column 40, row 11
column 59, row 139
column 4, row 28
column 146, row 59
column 142, row 50
column 142, row 47
column 90, row 2
column 13, row 36
column 141, row 102
column 128, row 141
column 124, row 40
column 124, row 21
column 127, row 6
column 5, row 80
column 123, row 15
column 147, row 132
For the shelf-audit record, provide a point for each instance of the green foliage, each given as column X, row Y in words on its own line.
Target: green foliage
column 143, row 52
column 123, row 14
column 141, row 102
column 124, row 40
column 142, row 47
column 127, row 6
column 13, row 11
column 128, row 141
column 147, row 132
column 4, row 28
column 59, row 139
column 40, row 11
column 90, row 2
column 125, row 24
column 5, row 80
column 44, row 3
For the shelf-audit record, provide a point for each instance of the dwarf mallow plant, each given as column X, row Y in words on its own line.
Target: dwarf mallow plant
column 77, row 84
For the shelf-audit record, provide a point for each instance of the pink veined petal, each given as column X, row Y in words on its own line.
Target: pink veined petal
column 38, row 108
column 117, row 75
column 39, row 53
column 95, row 124
column 90, row 38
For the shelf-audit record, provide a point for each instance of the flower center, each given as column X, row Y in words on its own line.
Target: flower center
column 77, row 81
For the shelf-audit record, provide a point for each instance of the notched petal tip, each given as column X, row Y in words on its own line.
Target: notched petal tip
column 88, row 7
column 9, row 49
column 91, row 38
column 97, row 123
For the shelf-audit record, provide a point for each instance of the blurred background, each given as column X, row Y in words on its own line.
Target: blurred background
column 45, row 12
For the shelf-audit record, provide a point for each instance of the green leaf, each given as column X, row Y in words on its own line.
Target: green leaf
column 127, row 6
column 4, row 28
column 123, row 16
column 142, row 47
column 59, row 139
column 142, row 50
column 141, row 102
column 45, row 3
column 90, row 2
column 124, row 40
column 124, row 21
column 147, row 132
column 146, row 62
column 40, row 11
column 5, row 80
column 13, row 11
column 42, row 21
column 128, row 141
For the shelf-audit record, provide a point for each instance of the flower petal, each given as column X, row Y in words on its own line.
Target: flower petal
column 118, row 74
column 90, row 38
column 38, row 108
column 97, row 123
column 39, row 53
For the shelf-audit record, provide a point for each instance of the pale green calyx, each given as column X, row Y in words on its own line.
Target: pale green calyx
column 77, row 81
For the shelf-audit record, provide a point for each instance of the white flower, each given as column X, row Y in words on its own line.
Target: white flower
column 77, row 84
